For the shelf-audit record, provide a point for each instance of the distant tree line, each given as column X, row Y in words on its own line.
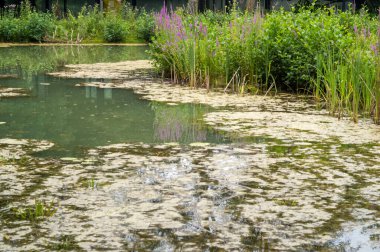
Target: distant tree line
column 373, row 5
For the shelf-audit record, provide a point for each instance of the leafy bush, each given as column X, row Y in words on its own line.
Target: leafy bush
column 90, row 25
column 114, row 30
column 10, row 30
column 29, row 26
column 38, row 26
column 294, row 40
column 145, row 26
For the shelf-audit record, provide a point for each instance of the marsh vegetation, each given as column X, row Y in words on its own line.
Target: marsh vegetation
column 325, row 52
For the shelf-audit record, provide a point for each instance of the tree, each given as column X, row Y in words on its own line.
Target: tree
column 2, row 4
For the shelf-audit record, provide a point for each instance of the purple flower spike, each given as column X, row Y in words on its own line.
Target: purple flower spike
column 375, row 49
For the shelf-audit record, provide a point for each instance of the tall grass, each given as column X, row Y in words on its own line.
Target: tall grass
column 321, row 51
column 348, row 77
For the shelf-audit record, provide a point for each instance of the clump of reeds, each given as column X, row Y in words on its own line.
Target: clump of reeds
column 347, row 78
column 206, row 49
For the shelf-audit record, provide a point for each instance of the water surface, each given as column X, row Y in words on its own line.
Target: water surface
column 76, row 118
column 147, row 176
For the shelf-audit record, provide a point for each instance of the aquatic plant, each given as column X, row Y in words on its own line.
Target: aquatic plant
column 92, row 184
column 36, row 212
column 64, row 242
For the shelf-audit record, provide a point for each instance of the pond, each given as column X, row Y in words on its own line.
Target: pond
column 156, row 167
column 75, row 119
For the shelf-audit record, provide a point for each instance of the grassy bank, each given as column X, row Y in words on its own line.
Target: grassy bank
column 328, row 53
column 91, row 25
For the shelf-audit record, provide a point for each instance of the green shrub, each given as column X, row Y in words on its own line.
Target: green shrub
column 38, row 26
column 9, row 30
column 145, row 26
column 114, row 30
column 29, row 26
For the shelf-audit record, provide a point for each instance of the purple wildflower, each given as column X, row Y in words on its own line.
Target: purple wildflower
column 375, row 49
column 204, row 31
column 355, row 29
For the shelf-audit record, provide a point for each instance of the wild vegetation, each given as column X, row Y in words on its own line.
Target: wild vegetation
column 25, row 24
column 322, row 51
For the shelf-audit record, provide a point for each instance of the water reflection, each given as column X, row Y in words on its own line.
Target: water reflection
column 76, row 118
column 26, row 61
column 180, row 123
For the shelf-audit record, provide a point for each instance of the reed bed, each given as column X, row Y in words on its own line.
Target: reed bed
column 331, row 54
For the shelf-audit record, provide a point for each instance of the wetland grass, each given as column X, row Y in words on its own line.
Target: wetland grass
column 318, row 51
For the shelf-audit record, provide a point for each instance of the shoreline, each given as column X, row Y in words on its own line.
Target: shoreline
column 5, row 45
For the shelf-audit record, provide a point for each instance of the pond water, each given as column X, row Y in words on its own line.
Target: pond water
column 128, row 174
column 75, row 119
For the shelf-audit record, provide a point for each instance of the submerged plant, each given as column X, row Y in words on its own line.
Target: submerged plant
column 64, row 242
column 37, row 212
